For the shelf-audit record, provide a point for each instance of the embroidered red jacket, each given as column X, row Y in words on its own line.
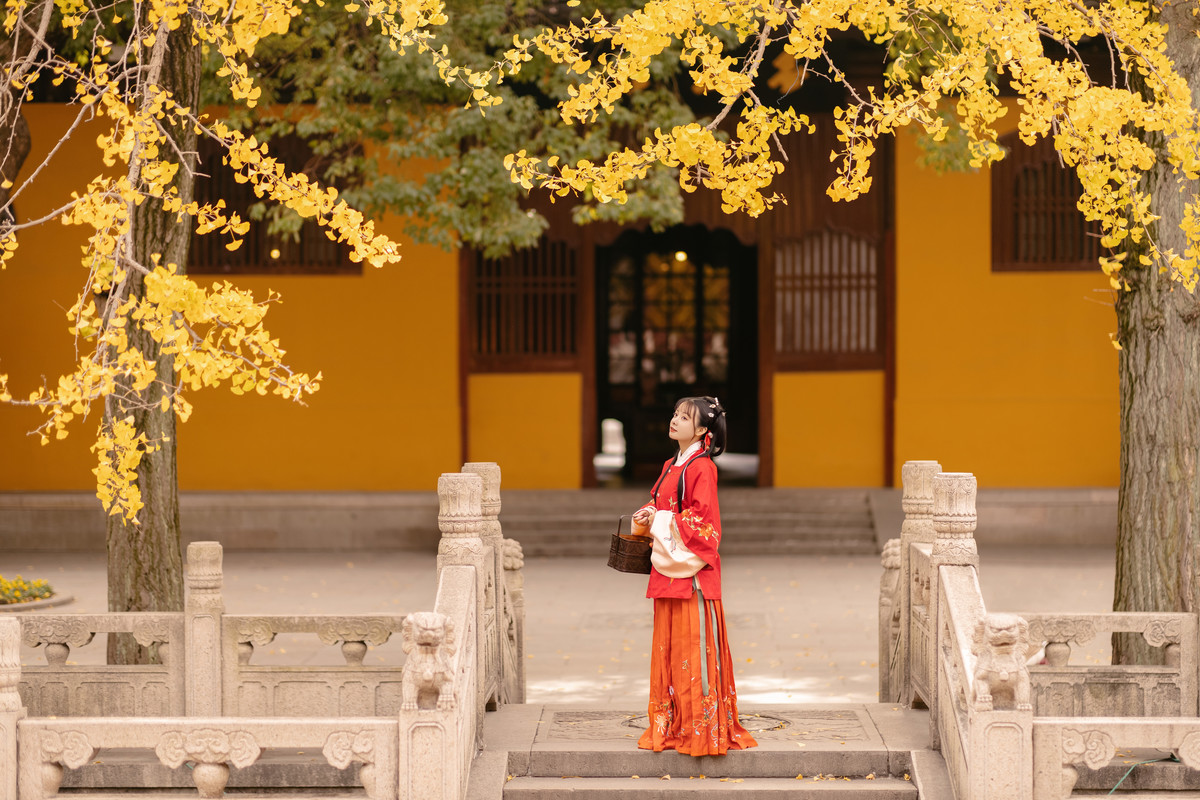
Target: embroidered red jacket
column 699, row 525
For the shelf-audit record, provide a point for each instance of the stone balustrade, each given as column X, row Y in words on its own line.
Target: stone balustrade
column 153, row 690
column 209, row 745
column 412, row 727
column 1008, row 730
column 1061, row 689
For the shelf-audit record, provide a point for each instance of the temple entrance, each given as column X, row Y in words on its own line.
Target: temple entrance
column 676, row 316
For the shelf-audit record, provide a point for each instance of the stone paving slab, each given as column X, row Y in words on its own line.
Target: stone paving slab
column 601, row 741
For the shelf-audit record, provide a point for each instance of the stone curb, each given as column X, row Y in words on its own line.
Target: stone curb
column 34, row 605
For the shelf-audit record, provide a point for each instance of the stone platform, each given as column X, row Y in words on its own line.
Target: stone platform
column 808, row 750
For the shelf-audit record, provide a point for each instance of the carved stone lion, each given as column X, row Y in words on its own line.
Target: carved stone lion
column 1001, row 677
column 428, row 642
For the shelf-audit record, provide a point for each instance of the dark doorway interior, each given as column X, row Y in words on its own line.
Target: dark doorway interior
column 676, row 317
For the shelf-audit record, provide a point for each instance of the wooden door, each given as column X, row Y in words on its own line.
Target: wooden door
column 675, row 318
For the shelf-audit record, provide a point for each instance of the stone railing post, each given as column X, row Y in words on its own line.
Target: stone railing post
column 514, row 578
column 460, row 519
column 203, row 611
column 917, row 502
column 11, row 708
column 1000, row 712
column 953, row 545
column 491, row 535
column 889, row 622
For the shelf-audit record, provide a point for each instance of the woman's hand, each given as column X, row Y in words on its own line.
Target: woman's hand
column 643, row 516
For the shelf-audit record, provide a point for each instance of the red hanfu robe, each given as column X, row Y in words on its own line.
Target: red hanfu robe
column 682, row 716
column 699, row 524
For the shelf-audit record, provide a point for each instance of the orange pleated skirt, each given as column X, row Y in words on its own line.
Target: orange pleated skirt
column 682, row 717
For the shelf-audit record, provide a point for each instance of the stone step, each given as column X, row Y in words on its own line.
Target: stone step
column 767, row 520
column 757, row 521
column 629, row 788
column 567, row 546
column 755, row 763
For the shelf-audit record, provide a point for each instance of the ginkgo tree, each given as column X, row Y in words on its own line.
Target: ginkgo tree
column 149, row 335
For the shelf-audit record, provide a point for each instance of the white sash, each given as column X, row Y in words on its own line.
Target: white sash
column 669, row 555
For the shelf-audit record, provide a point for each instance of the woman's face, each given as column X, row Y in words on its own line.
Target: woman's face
column 683, row 426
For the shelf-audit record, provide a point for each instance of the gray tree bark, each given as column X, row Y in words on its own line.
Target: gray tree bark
column 145, row 564
column 1158, row 514
column 15, row 141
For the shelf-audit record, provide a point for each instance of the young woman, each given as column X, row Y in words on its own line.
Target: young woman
column 693, row 703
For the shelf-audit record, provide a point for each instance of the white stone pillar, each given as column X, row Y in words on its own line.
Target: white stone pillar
column 490, row 534
column 203, row 610
column 917, row 502
column 460, row 519
column 953, row 545
column 11, row 708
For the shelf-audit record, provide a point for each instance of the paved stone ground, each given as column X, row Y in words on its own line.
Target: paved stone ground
column 802, row 629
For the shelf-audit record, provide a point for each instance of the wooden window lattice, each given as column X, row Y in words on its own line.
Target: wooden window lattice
column 828, row 302
column 312, row 253
column 1036, row 224
column 523, row 309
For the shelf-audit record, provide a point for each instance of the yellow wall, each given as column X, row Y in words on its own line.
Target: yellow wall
column 828, row 428
column 530, row 424
column 387, row 414
column 1010, row 376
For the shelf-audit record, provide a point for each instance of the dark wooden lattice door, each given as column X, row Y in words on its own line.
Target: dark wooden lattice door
column 676, row 318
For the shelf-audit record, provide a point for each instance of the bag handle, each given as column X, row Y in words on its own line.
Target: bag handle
column 682, row 473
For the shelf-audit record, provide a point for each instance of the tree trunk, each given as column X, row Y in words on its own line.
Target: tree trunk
column 15, row 141
column 145, row 565
column 1158, row 511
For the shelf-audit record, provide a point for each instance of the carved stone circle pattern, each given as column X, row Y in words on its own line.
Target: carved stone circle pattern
column 148, row 632
column 69, row 748
column 1163, row 631
column 257, row 632
column 354, row 629
column 343, row 748
column 1189, row 750
column 1093, row 748
column 207, row 746
column 55, row 630
column 1077, row 631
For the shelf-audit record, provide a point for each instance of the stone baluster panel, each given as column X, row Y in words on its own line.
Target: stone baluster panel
column 11, row 709
column 493, row 538
column 460, row 519
column 204, row 608
column 917, row 502
column 954, row 521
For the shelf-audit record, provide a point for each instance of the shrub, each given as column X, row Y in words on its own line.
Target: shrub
column 19, row 590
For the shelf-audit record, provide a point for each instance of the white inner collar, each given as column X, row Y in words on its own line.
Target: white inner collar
column 686, row 454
